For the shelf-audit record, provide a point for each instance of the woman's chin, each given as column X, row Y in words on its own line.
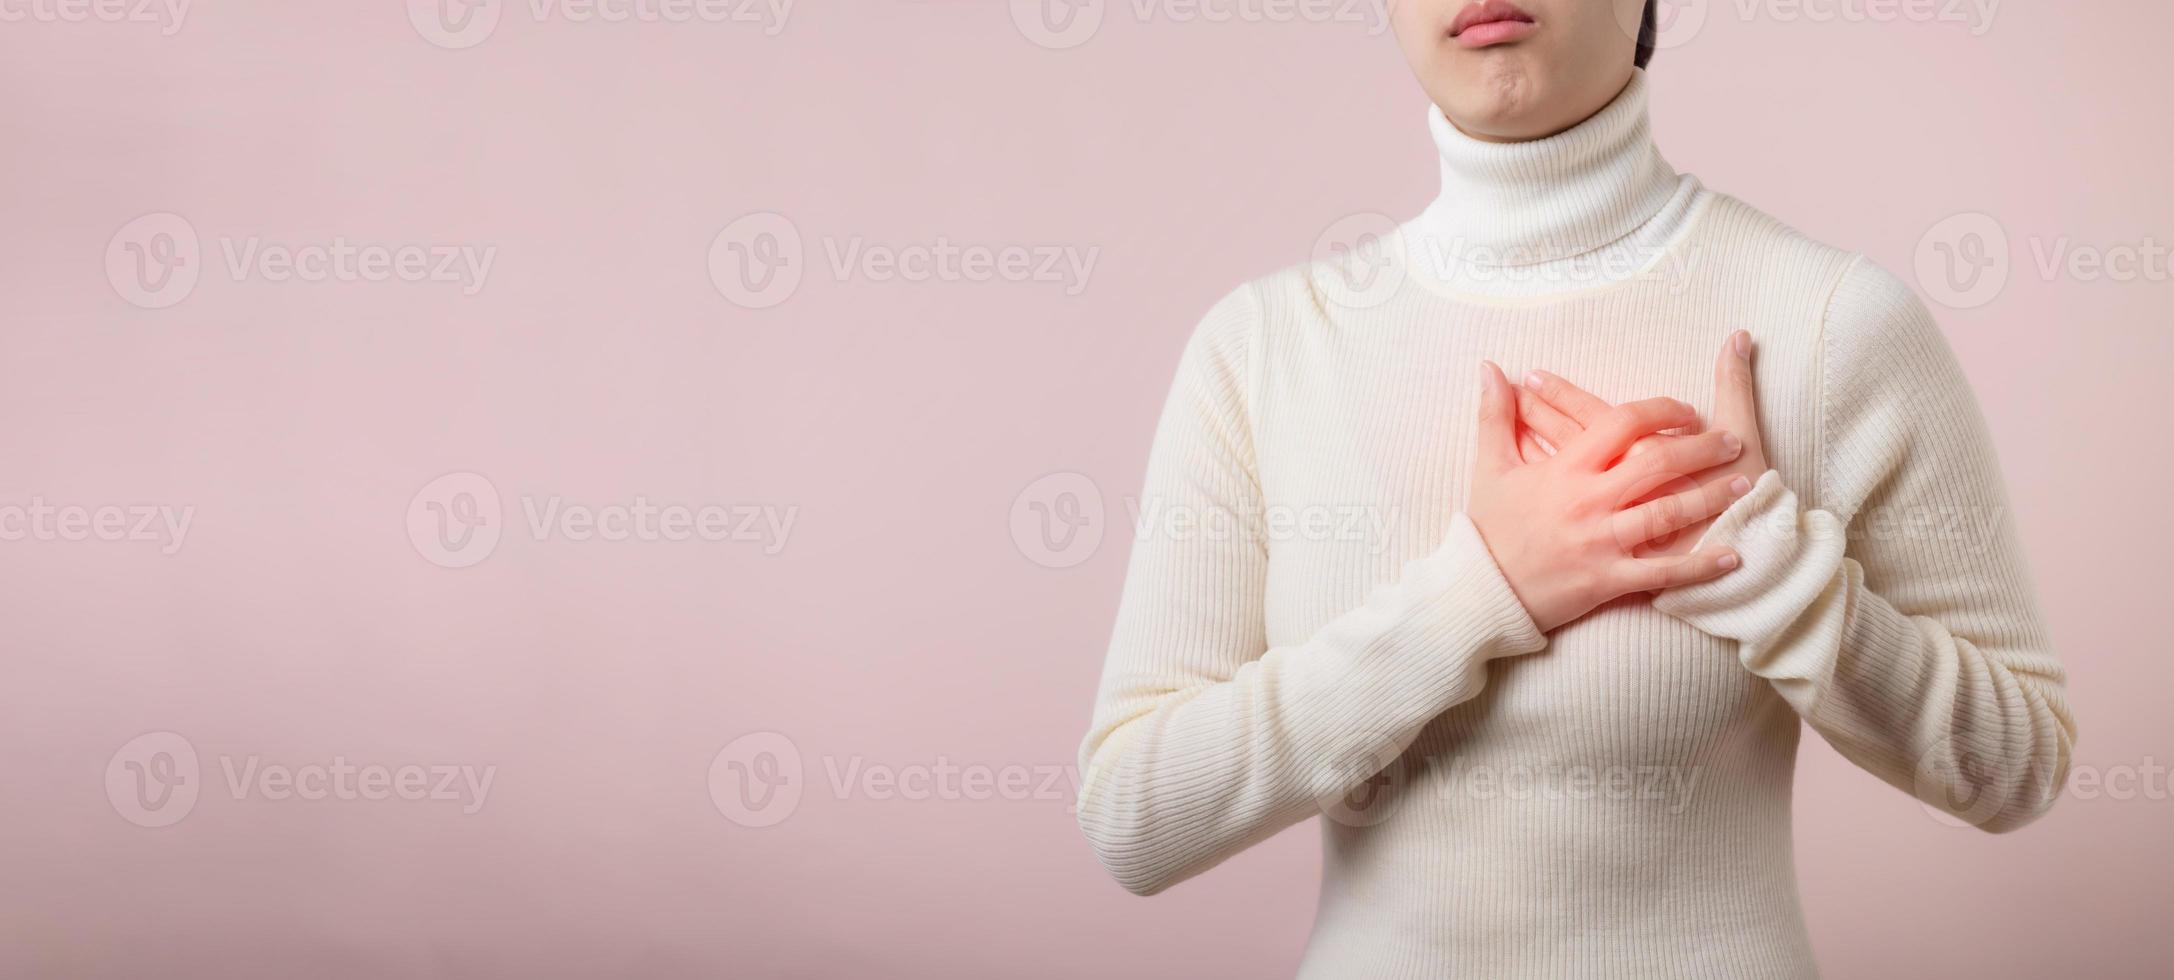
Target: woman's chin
column 1499, row 97
column 1517, row 99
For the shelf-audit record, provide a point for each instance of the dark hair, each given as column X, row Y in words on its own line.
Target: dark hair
column 1646, row 35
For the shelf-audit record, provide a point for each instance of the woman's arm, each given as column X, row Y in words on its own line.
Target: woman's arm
column 1890, row 603
column 1206, row 740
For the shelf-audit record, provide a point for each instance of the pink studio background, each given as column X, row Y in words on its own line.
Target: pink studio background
column 900, row 629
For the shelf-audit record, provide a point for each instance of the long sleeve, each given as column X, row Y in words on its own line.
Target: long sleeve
column 1891, row 604
column 1205, row 740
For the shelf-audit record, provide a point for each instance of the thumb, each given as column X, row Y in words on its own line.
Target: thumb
column 1497, row 446
column 1736, row 402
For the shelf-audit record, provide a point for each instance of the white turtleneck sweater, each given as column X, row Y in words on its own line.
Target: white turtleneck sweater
column 1310, row 625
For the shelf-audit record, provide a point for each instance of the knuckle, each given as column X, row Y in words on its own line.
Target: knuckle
column 1658, row 412
column 1622, row 537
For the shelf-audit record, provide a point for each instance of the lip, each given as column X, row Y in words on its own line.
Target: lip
column 1489, row 22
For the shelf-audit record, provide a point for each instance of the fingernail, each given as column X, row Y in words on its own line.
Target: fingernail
column 1487, row 374
column 1740, row 486
column 1731, row 445
column 1743, row 343
column 1726, row 561
column 1533, row 380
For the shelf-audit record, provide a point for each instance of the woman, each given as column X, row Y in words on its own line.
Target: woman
column 1531, row 766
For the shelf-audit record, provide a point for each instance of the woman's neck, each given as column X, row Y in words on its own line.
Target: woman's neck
column 1600, row 185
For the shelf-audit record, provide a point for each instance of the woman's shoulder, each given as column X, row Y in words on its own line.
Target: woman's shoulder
column 1736, row 231
column 1854, row 291
column 1865, row 313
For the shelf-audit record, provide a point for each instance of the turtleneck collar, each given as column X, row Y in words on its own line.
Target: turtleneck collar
column 1588, row 188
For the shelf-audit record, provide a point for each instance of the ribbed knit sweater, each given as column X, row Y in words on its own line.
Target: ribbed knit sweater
column 1310, row 626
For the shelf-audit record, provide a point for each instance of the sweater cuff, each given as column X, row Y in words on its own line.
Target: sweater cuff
column 1422, row 645
column 1471, row 600
column 1789, row 556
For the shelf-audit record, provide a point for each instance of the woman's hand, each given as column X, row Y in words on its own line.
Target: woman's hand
column 1565, row 529
column 1559, row 411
